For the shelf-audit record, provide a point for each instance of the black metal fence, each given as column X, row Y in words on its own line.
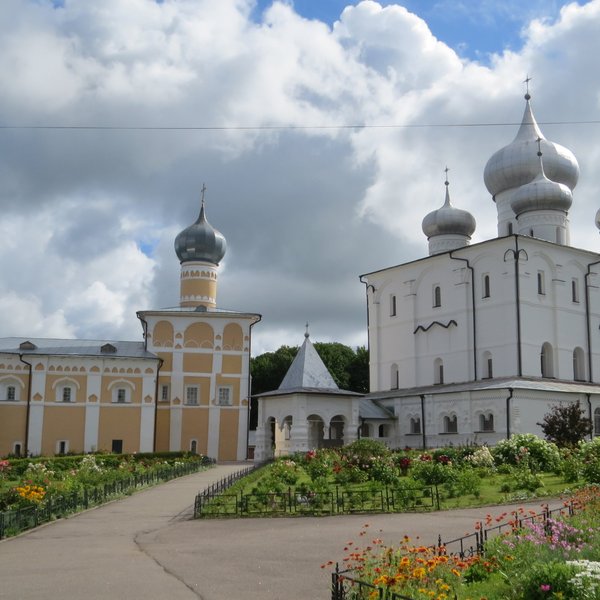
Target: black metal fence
column 55, row 507
column 339, row 501
column 345, row 586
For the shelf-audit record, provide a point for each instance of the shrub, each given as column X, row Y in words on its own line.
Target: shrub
column 539, row 454
column 546, row 580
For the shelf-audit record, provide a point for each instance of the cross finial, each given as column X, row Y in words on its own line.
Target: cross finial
column 526, row 82
column 446, row 182
column 203, row 190
column 539, row 143
column 306, row 334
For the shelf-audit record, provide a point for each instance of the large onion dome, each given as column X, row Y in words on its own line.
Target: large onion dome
column 200, row 241
column 516, row 164
column 448, row 220
column 597, row 220
column 541, row 194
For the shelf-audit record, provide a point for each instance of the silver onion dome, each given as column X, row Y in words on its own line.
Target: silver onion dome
column 597, row 220
column 516, row 164
column 448, row 220
column 200, row 241
column 541, row 193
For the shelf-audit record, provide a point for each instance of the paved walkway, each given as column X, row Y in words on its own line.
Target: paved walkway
column 145, row 547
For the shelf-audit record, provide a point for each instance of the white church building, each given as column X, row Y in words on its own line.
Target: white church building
column 473, row 343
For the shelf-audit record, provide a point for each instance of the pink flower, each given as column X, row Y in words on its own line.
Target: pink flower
column 545, row 587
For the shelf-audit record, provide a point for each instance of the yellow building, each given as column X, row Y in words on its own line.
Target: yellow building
column 185, row 387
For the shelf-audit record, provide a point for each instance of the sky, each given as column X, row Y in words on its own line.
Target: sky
column 114, row 114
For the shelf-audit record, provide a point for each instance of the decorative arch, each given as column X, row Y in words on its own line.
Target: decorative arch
column 162, row 334
column 233, row 337
column 578, row 364
column 337, row 426
column 198, row 335
column 547, row 360
column 394, row 377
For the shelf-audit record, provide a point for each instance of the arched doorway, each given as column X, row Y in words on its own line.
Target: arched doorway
column 316, row 429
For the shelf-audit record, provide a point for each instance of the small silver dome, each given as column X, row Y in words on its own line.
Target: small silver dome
column 515, row 164
column 541, row 194
column 448, row 220
column 200, row 242
column 597, row 220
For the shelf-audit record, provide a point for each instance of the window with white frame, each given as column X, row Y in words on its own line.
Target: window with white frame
column 121, row 393
column 541, row 283
column 450, row 424
column 11, row 392
column 415, row 425
column 164, row 392
column 66, row 394
column 393, row 305
column 191, row 395
column 62, row 446
column 224, row 396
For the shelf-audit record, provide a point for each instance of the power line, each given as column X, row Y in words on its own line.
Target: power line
column 279, row 127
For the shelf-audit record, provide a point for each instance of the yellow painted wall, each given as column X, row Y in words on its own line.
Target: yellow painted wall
column 199, row 335
column 195, row 426
column 228, row 434
column 64, row 422
column 163, row 334
column 119, row 423
column 199, row 287
column 197, row 363
column 12, row 426
column 232, row 337
column 168, row 361
column 163, row 426
column 232, row 364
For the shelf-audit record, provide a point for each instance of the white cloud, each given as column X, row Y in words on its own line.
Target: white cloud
column 305, row 211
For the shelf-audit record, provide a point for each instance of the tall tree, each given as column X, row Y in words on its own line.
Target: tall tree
column 566, row 425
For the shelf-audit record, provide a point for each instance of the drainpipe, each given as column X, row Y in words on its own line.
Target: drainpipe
column 587, row 319
column 28, row 410
column 367, row 286
column 508, row 399
column 473, row 306
column 423, row 433
column 160, row 364
column 589, row 403
column 250, row 383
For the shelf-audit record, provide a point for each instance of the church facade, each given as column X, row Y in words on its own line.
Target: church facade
column 476, row 342
column 185, row 387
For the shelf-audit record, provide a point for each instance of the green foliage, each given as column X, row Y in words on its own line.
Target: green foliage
column 433, row 473
column 537, row 453
column 541, row 581
column 364, row 450
column 589, row 453
column 566, row 425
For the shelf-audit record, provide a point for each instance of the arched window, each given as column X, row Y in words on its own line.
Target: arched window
column 415, row 425
column 438, row 371
column 486, row 422
column 486, row 286
column 547, row 360
column 194, row 446
column 384, row 430
column 392, row 305
column 365, row 430
column 578, row 365
column 437, row 296
column 574, row 290
column 395, row 380
column 451, row 424
column 541, row 283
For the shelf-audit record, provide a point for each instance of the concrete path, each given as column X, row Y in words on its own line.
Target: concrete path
column 145, row 547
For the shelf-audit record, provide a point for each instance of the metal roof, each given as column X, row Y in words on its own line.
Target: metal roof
column 504, row 383
column 62, row 347
column 369, row 409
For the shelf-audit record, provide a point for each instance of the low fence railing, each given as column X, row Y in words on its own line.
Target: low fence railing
column 54, row 507
column 345, row 584
column 293, row 502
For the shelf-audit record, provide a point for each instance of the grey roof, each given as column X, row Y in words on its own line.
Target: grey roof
column 45, row 346
column 309, row 390
column 370, row 409
column 521, row 383
column 308, row 371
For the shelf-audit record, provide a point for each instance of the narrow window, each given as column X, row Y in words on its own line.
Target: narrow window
column 510, row 229
column 437, row 296
column 365, row 430
column 451, row 424
column 438, row 371
column 395, row 377
column 486, row 422
column 541, row 287
column 117, row 447
column 384, row 431
column 17, row 448
column 164, row 393
column 62, row 447
column 486, row 286
column 597, row 421
column 121, row 395
column 66, row 394
column 578, row 365
column 194, row 447
column 415, row 425
column 191, row 395
column 392, row 305
column 547, row 361
column 574, row 290
column 224, row 396
column 490, row 368
column 11, row 392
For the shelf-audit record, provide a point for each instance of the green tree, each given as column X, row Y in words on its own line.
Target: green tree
column 566, row 425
